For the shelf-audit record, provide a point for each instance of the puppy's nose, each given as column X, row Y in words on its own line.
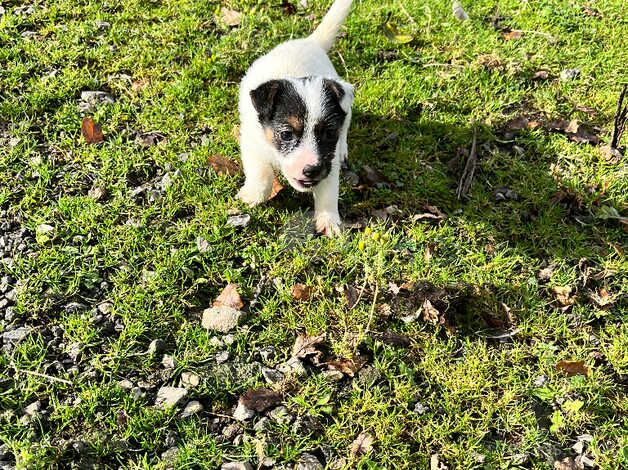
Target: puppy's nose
column 312, row 171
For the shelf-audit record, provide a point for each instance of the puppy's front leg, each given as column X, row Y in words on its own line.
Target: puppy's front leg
column 259, row 176
column 326, row 215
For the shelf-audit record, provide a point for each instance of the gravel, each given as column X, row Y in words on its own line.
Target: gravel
column 169, row 397
column 192, row 408
column 223, row 319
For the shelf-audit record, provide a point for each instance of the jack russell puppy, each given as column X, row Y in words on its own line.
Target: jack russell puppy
column 294, row 117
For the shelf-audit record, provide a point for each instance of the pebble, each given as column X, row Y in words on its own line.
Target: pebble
column 13, row 337
column 231, row 431
column 421, row 409
column 125, row 384
column 541, row 380
column 168, row 361
column 222, row 357
column 308, row 462
column 228, row 339
column 293, row 366
column 569, row 74
column 190, row 379
column 333, row 375
column 222, row 318
column 242, row 413
column 156, row 346
column 33, row 409
column 241, row 220
column 268, row 353
column 191, row 408
column 102, row 25
column 90, row 100
column 236, row 466
column 261, row 425
column 273, row 375
column 168, row 397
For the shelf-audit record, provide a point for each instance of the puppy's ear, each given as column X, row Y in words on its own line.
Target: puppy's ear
column 264, row 98
column 341, row 90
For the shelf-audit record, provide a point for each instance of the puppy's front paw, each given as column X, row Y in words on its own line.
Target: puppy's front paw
column 253, row 195
column 328, row 224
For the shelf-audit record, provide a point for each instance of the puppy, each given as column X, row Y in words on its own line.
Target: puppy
column 294, row 117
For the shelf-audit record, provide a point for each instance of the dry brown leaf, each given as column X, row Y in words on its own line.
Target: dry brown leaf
column 305, row 346
column 568, row 463
column 277, row 188
column 429, row 313
column 540, row 75
column 602, row 298
column 427, row 254
column 260, row 399
column 371, row 177
column 351, row 295
column 572, row 368
column 224, row 166
column 508, row 315
column 230, row 17
column 91, row 131
column 288, row 8
column 301, row 291
column 139, row 84
column 431, row 213
column 347, row 366
column 229, row 297
column 362, row 444
column 563, row 295
column 512, row 34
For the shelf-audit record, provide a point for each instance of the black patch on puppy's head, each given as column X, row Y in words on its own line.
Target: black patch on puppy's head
column 327, row 128
column 281, row 111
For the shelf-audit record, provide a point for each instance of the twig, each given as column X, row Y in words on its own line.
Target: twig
column 44, row 376
column 540, row 33
column 621, row 115
column 469, row 168
column 504, row 335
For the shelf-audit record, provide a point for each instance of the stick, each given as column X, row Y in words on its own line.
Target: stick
column 469, row 168
column 44, row 376
column 621, row 115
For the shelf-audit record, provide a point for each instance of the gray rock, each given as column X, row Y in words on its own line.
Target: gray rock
column 222, row 318
column 281, row 415
column 170, row 455
column 236, row 466
column 268, row 353
column 540, row 380
column 273, row 375
column 105, row 308
column 169, row 397
column 242, row 413
column 5, row 452
column 308, row 462
column 74, row 351
column 333, row 375
column 156, row 346
column 293, row 366
column 90, row 100
column 231, row 431
column 421, row 409
column 240, row 220
column 569, row 74
column 102, row 25
column 125, row 384
column 261, row 425
column 228, row 339
column 191, row 408
column 222, row 357
column 33, row 409
column 190, row 379
column 13, row 337
column 168, row 361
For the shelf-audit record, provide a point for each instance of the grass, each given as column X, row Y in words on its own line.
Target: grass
column 173, row 68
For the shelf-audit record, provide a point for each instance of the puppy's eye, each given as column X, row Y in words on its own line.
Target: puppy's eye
column 286, row 136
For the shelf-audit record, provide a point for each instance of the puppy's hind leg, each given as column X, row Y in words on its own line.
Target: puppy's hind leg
column 259, row 176
column 326, row 217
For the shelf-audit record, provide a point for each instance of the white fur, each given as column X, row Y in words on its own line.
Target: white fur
column 293, row 59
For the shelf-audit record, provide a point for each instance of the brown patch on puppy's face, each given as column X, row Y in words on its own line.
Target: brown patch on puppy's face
column 296, row 122
column 269, row 134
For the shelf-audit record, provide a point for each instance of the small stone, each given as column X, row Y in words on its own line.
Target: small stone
column 333, row 375
column 156, row 346
column 33, row 409
column 236, row 466
column 190, row 379
column 97, row 193
column 519, row 459
column 216, row 342
column 273, row 375
column 228, row 339
column 191, row 408
column 125, row 384
column 268, row 353
column 13, row 337
column 242, row 413
column 74, row 351
column 78, row 446
column 268, row 462
column 102, row 25
column 308, row 462
column 541, row 380
column 231, row 431
column 569, row 74
column 92, row 99
column 202, row 245
column 293, row 367
column 170, row 455
column 222, row 357
column 281, row 415
column 168, row 361
column 169, row 397
column 44, row 232
column 222, row 318
column 241, row 220
column 137, row 393
column 261, row 425
column 421, row 409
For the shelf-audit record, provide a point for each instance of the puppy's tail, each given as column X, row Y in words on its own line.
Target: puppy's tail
column 325, row 34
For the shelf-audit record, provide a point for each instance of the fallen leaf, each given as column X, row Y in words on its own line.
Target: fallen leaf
column 393, row 288
column 509, row 35
column 260, row 399
column 602, row 298
column 91, row 131
column 520, row 123
column 305, row 346
column 509, row 316
column 392, row 32
column 301, row 291
column 545, row 274
column 230, row 17
column 427, row 254
column 432, row 213
column 385, row 213
column 229, row 297
column 394, row 339
column 224, row 166
column 139, row 84
column 572, row 368
column 429, row 313
column 277, row 188
column 288, row 8
column 148, row 139
column 540, row 75
column 568, row 463
column 372, row 177
column 362, row 444
column 351, row 296
column 563, row 295
column 347, row 366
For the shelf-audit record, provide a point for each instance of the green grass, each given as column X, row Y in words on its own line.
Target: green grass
column 141, row 255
